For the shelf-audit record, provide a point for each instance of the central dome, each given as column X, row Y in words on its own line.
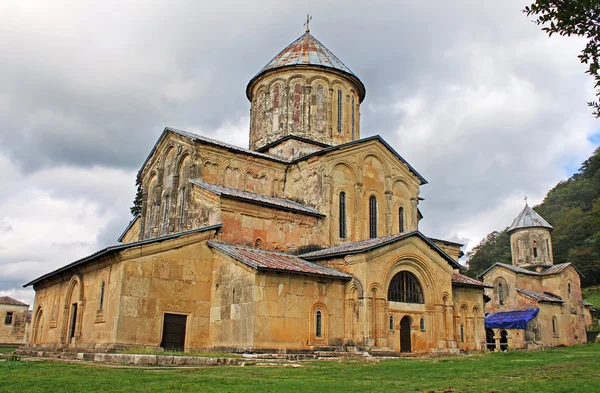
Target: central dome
column 307, row 94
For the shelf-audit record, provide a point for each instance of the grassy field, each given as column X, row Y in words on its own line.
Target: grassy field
column 572, row 369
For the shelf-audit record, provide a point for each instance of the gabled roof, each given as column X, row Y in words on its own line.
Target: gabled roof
column 276, row 261
column 358, row 142
column 11, row 302
column 307, row 51
column 540, row 297
column 288, row 137
column 113, row 249
column 555, row 269
column 280, row 203
column 120, row 239
column 371, row 244
column 528, row 218
column 210, row 141
column 460, row 280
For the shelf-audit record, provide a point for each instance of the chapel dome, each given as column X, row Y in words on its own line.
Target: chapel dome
column 528, row 218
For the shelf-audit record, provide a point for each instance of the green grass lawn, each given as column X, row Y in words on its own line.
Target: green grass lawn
column 574, row 369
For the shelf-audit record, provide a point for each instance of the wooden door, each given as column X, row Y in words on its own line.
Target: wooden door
column 173, row 338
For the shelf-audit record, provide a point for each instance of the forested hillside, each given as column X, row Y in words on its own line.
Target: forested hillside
column 572, row 207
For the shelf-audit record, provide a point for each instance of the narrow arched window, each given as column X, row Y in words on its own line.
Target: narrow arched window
column 339, row 116
column 101, row 300
column 276, row 97
column 422, row 324
column 500, row 294
column 296, row 113
column 554, row 327
column 462, row 333
column 258, row 244
column 535, row 249
column 319, row 324
column 405, row 287
column 401, row 219
column 372, row 217
column 569, row 288
column 391, row 322
column 342, row 215
column 353, row 118
column 182, row 210
column 548, row 247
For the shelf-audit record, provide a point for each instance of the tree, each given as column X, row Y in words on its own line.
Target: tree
column 137, row 201
column 574, row 17
column 494, row 248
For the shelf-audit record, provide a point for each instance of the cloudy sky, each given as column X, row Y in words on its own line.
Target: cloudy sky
column 480, row 101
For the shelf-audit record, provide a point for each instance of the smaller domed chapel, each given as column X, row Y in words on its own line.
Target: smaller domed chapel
column 310, row 238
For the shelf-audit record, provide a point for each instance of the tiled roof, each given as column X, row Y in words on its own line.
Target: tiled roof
column 587, row 304
column 276, row 261
column 210, row 141
column 528, row 218
column 369, row 244
column 459, row 279
column 119, row 247
column 282, row 203
column 540, row 297
column 555, row 269
column 12, row 302
column 307, row 51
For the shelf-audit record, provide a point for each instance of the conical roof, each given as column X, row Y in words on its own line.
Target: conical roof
column 307, row 51
column 528, row 218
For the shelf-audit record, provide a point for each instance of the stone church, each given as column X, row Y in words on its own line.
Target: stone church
column 534, row 302
column 310, row 238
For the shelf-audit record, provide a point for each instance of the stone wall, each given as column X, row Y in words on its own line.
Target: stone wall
column 15, row 331
column 313, row 103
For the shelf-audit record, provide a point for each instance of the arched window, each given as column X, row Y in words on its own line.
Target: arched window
column 276, row 97
column 535, row 249
column 339, row 111
column 462, row 333
column 101, row 300
column 352, row 117
column 548, row 247
column 391, row 322
column 319, row 324
column 182, row 210
column 500, row 294
column 297, row 107
column 405, row 287
column 554, row 327
column 372, row 217
column 422, row 324
column 401, row 219
column 342, row 215
column 258, row 244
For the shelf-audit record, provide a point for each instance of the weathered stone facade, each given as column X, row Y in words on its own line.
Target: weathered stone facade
column 553, row 290
column 308, row 239
column 14, row 321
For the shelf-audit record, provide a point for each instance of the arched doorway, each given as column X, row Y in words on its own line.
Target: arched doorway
column 405, row 344
column 38, row 327
column 489, row 339
column 503, row 340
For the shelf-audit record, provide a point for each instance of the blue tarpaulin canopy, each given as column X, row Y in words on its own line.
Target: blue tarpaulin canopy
column 511, row 319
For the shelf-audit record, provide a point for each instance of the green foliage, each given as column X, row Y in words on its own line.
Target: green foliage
column 137, row 202
column 573, row 209
column 494, row 248
column 574, row 17
column 573, row 369
column 14, row 358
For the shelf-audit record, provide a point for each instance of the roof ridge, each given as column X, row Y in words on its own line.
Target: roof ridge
column 529, row 218
column 283, row 203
